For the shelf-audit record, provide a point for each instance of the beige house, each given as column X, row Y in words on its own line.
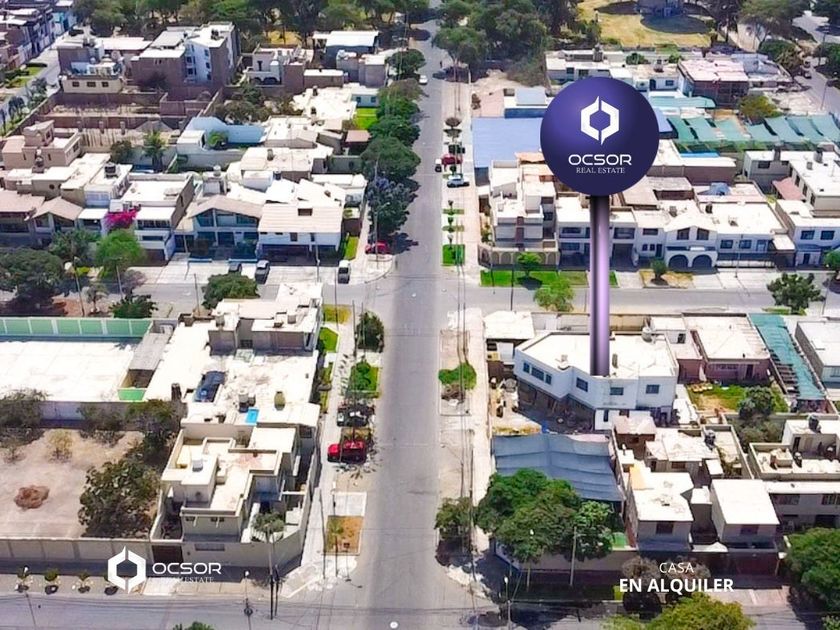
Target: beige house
column 41, row 141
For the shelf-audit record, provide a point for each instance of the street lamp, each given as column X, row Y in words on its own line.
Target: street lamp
column 507, row 599
column 247, row 610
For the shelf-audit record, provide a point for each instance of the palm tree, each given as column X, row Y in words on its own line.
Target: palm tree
column 95, row 293
column 268, row 524
column 153, row 147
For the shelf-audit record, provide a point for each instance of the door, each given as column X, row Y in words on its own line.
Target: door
column 749, row 374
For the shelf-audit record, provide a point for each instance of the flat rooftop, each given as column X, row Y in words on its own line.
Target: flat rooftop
column 636, row 357
column 744, row 502
column 58, row 517
column 728, row 337
column 675, row 446
column 66, row 370
column 660, row 496
column 824, row 338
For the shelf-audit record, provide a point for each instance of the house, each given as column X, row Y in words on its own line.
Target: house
column 54, row 216
column 282, row 66
column 15, row 213
column 659, row 74
column 723, row 348
column 87, row 68
column 41, row 142
column 29, row 27
column 361, row 42
column 801, row 472
column 743, row 512
column 820, row 342
column 503, row 331
column 658, row 513
column 675, row 450
column 552, row 371
column 720, row 78
column 189, row 55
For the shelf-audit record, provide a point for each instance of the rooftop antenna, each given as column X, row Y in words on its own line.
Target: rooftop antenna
column 608, row 147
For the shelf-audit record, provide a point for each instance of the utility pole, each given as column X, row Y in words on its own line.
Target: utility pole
column 512, row 277
column 197, row 294
column 574, row 551
column 507, row 599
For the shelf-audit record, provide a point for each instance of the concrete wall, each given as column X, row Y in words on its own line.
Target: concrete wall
column 64, row 551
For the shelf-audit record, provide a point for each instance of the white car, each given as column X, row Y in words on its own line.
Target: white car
column 424, row 80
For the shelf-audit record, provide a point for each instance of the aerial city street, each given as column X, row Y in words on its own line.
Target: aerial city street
column 310, row 319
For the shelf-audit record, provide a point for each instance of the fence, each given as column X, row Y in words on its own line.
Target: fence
column 58, row 327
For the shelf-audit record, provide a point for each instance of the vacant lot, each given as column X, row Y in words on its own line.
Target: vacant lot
column 620, row 21
column 58, row 516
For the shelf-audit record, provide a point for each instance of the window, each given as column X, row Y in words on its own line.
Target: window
column 206, row 546
column 726, row 244
column 807, row 235
column 526, row 367
column 74, row 83
column 835, row 372
column 702, row 235
column 664, row 528
column 570, row 70
column 582, row 385
column 293, row 237
column 683, row 234
column 189, row 519
column 537, row 373
column 652, row 389
column 749, row 530
column 763, row 164
column 669, row 82
column 571, row 231
column 650, row 231
column 677, row 465
column 616, row 391
column 625, row 232
column 90, row 83
column 827, row 235
column 547, row 379
column 831, row 499
column 785, row 499
column 745, row 244
column 104, row 84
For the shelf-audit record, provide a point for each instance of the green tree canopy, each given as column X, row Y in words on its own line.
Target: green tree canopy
column 772, row 17
column 812, row 558
column 407, row 63
column 528, row 262
column 117, row 251
column 388, row 204
column 370, row 333
column 701, row 612
column 122, row 151
column 453, row 518
column 555, row 295
column 74, row 246
column 389, row 158
column 117, row 499
column 464, row 44
column 505, row 495
column 153, row 148
column 795, row 291
column 229, row 285
column 832, row 260
column 659, row 267
column 34, row 275
column 134, row 307
column 395, row 127
column 757, row 107
column 829, row 9
column 512, row 28
column 756, row 401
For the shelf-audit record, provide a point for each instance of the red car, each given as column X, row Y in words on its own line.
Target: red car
column 377, row 248
column 449, row 159
column 353, row 451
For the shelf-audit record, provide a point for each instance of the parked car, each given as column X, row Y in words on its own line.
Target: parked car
column 377, row 248
column 457, row 181
column 234, row 267
column 423, row 80
column 438, row 165
column 355, row 418
column 351, row 451
column 343, row 272
column 261, row 274
column 449, row 159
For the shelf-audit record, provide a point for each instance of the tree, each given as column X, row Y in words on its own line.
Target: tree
column 396, row 104
column 645, row 571
column 772, row 17
column 406, row 88
column 370, row 333
column 395, row 127
column 34, row 275
column 659, row 268
column 829, row 9
column 301, row 16
column 117, row 251
column 528, row 262
column 21, row 410
column 105, row 424
column 555, row 295
column 388, row 203
column 341, row 15
column 589, row 532
column 507, row 494
column 831, row 623
column 557, row 13
column 122, row 151
column 464, row 44
column 389, row 158
column 153, row 148
column 785, row 53
column 757, row 401
column 795, row 291
column 269, row 524
column 134, row 307
column 832, row 261
column 95, row 293
column 812, row 558
column 757, row 107
column 453, row 519
column 407, row 63
column 229, row 285
column 158, row 420
column 117, row 499
column 512, row 28
column 74, row 246
column 61, row 444
column 725, row 13
column 701, row 612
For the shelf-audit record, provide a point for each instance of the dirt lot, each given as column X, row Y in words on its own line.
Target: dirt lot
column 344, row 534
column 58, row 516
column 620, row 21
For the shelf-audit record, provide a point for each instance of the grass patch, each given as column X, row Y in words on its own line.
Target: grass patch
column 453, row 255
column 619, row 21
column 328, row 339
column 344, row 534
column 454, row 210
column 365, row 117
column 777, row 310
column 336, row 314
column 502, row 278
column 364, row 377
column 619, row 539
column 729, row 396
column 453, row 376
column 672, row 279
column 349, row 246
